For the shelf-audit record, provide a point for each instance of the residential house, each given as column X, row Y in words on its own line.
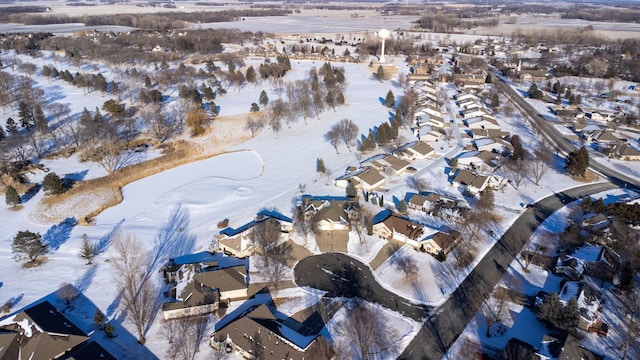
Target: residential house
column 387, row 163
column 237, row 242
column 40, row 331
column 481, row 122
column 440, row 242
column 533, row 75
column 390, row 226
column 465, row 96
column 329, row 213
column 395, row 227
column 602, row 116
column 594, row 260
column 595, row 222
column 565, row 346
column 202, row 281
column 624, row 151
column 263, row 327
column 483, row 133
column 416, row 151
column 495, row 144
column 604, row 137
column 478, row 159
column 469, row 81
column 369, row 179
column 470, row 182
column 474, row 112
column 422, row 202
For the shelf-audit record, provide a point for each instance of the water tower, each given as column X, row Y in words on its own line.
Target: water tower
column 383, row 34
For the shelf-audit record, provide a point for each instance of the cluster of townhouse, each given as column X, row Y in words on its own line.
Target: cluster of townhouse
column 41, row 331
column 594, row 127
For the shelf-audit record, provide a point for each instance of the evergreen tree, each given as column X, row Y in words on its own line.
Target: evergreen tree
column 577, row 162
column 626, row 277
column 488, row 79
column 518, row 149
column 320, row 166
column 380, row 73
column 567, row 94
column 147, row 82
column 254, row 107
column 88, row 251
column 264, row 99
column 569, row 316
column 40, row 119
column 550, row 309
column 340, row 97
column 250, row 75
column 11, row 196
column 402, row 206
column 29, row 244
column 534, row 93
column 52, row 184
column 351, row 191
column 389, row 100
column 12, row 127
column 26, row 115
column 3, row 135
column 381, row 200
column 340, row 77
column 207, row 92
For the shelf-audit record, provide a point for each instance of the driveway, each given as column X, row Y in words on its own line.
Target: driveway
column 343, row 276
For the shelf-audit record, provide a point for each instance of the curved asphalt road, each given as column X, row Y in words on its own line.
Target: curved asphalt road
column 449, row 320
column 341, row 275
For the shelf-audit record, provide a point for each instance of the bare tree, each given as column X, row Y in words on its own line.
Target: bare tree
column 364, row 334
column 516, row 171
column 303, row 99
column 541, row 162
column 138, row 293
column 302, row 221
column 67, row 292
column 265, row 236
column 348, row 131
column 533, row 252
column 185, row 334
column 403, row 262
column 254, row 123
column 493, row 307
column 112, row 155
column 418, row 184
column 333, row 137
column 159, row 122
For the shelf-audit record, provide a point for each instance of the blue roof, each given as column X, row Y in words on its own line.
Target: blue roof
column 223, row 261
column 274, row 214
column 326, row 198
column 229, row 231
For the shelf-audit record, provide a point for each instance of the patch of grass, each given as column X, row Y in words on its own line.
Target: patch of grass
column 35, row 263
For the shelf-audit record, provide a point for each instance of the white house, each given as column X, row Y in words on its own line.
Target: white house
column 495, row 144
column 481, row 122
